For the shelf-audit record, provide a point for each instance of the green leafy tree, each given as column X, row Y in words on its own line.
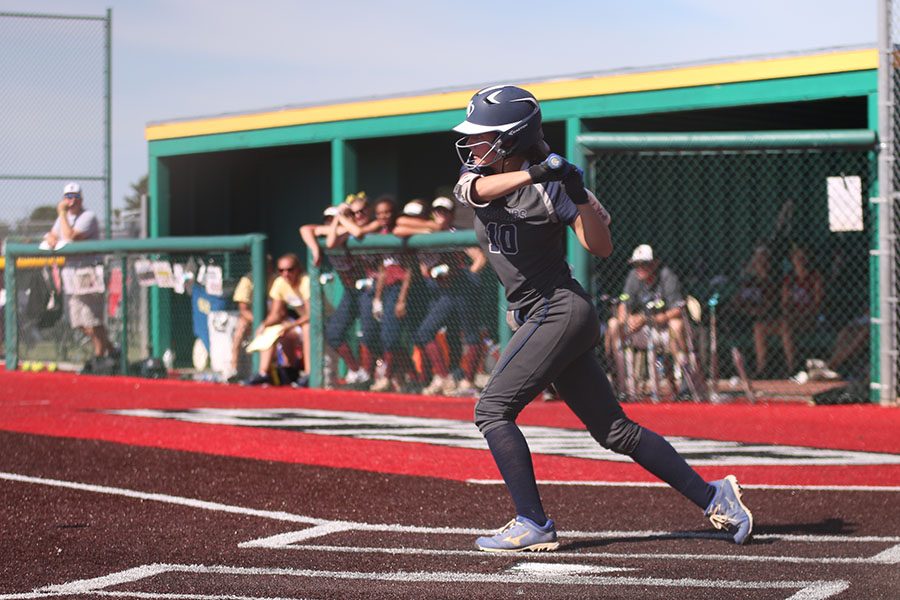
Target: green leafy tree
column 43, row 213
column 133, row 200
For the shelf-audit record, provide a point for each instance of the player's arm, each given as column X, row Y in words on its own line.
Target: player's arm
column 308, row 234
column 400, row 307
column 276, row 313
column 591, row 227
column 480, row 190
column 479, row 260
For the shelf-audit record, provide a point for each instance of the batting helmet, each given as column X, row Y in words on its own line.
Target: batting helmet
column 510, row 111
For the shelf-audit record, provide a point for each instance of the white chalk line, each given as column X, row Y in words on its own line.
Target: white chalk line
column 165, row 498
column 808, row 590
column 587, row 554
column 659, row 484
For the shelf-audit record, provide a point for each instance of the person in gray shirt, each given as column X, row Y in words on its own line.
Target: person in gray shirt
column 524, row 201
column 651, row 296
column 74, row 223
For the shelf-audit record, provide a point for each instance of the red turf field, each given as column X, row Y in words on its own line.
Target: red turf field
column 146, row 489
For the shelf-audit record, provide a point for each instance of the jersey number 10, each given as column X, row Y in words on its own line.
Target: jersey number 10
column 502, row 238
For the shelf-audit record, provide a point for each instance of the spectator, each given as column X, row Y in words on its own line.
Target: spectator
column 647, row 283
column 309, row 233
column 415, row 219
column 289, row 310
column 74, row 223
column 755, row 303
column 243, row 299
column 453, row 284
column 388, row 306
column 802, row 292
column 352, row 273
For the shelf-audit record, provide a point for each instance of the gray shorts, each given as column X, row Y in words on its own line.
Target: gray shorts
column 85, row 310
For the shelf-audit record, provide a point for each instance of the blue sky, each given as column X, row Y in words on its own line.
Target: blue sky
column 183, row 58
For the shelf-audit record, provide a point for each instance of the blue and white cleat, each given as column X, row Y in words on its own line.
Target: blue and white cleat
column 726, row 511
column 520, row 535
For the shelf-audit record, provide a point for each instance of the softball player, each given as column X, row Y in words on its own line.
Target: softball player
column 523, row 202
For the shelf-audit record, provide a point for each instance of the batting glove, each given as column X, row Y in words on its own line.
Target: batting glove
column 554, row 168
column 574, row 184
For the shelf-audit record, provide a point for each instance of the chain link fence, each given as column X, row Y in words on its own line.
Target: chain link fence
column 152, row 313
column 889, row 207
column 433, row 326
column 56, row 112
column 772, row 240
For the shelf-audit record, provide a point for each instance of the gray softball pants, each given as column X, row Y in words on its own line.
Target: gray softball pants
column 554, row 343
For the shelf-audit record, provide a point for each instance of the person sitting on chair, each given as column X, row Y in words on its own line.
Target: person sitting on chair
column 652, row 295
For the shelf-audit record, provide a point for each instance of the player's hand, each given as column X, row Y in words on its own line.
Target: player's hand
column 400, row 309
column 574, row 184
column 554, row 168
column 62, row 207
column 377, row 309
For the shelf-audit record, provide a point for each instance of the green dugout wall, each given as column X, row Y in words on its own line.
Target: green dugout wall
column 271, row 171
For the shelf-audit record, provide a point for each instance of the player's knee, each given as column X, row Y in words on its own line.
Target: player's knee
column 622, row 437
column 489, row 416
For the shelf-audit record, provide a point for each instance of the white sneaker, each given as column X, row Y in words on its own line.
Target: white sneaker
column 800, row 378
column 823, row 374
column 815, row 363
column 465, row 388
column 436, row 386
column 362, row 375
column 352, row 378
column 382, row 384
column 449, row 387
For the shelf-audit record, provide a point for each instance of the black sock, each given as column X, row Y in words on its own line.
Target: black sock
column 513, row 458
column 658, row 456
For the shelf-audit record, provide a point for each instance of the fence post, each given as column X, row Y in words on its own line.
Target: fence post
column 12, row 326
column 260, row 281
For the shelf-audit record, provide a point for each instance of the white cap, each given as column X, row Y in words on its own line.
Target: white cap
column 331, row 211
column 443, row 202
column 413, row 209
column 643, row 253
column 72, row 188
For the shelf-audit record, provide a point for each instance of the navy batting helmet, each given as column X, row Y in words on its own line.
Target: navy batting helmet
column 511, row 112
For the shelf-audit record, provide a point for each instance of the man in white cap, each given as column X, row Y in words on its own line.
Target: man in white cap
column 74, row 223
column 652, row 293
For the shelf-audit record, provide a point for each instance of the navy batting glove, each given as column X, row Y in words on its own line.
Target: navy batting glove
column 554, row 168
column 574, row 184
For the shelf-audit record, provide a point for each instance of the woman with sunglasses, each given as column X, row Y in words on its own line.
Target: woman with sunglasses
column 524, row 201
column 289, row 310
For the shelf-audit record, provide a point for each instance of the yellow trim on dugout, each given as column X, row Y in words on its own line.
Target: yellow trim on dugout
column 755, row 70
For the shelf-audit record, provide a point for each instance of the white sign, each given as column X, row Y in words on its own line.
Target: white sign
column 79, row 281
column 213, row 280
column 845, row 208
column 162, row 271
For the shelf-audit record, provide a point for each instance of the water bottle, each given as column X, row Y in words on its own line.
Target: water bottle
column 168, row 359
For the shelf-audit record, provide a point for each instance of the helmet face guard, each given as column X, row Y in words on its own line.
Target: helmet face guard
column 513, row 113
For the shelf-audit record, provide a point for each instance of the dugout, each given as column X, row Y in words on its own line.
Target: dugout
column 272, row 170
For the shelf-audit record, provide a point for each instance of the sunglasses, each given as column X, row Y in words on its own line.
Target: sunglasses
column 71, row 196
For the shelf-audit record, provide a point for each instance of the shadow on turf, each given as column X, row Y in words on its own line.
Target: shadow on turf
column 824, row 527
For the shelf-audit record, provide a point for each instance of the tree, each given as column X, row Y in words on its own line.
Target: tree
column 43, row 213
column 133, row 200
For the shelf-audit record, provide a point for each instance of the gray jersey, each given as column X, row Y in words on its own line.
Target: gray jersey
column 524, row 237
column 665, row 287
